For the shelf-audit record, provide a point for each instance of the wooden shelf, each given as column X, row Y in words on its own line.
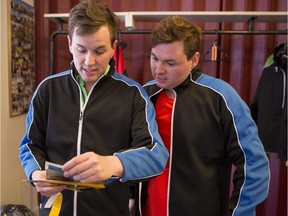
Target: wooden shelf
column 63, row 17
column 131, row 18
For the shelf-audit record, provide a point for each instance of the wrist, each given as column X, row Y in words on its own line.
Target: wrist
column 118, row 167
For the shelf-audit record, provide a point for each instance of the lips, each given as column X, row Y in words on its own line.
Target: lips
column 90, row 70
column 161, row 79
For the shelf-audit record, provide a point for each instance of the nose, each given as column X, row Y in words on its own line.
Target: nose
column 159, row 68
column 90, row 59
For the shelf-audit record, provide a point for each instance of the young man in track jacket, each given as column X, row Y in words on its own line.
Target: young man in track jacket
column 93, row 121
column 206, row 127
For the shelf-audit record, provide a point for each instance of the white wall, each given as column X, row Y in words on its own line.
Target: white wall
column 12, row 189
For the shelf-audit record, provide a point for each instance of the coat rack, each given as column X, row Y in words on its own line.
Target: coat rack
column 130, row 20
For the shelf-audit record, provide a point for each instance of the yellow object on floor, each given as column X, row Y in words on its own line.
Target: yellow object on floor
column 56, row 207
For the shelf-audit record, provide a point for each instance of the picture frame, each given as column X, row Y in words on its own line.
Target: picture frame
column 22, row 52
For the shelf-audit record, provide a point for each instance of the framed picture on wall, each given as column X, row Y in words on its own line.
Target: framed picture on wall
column 22, row 50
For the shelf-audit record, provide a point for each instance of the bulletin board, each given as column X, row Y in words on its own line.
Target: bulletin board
column 22, row 49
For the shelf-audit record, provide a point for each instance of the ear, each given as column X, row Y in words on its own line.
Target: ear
column 195, row 59
column 114, row 45
column 69, row 44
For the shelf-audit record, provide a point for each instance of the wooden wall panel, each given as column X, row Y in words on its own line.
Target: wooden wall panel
column 242, row 69
column 42, row 40
column 250, row 52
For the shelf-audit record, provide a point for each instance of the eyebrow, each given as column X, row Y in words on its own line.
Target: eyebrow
column 99, row 47
column 165, row 60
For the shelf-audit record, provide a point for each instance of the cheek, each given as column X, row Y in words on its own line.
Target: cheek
column 178, row 75
column 79, row 59
column 76, row 54
column 174, row 76
column 153, row 65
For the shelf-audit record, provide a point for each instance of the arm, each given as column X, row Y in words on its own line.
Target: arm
column 135, row 163
column 32, row 153
column 149, row 156
column 251, row 178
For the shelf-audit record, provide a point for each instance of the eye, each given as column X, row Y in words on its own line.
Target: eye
column 81, row 49
column 154, row 58
column 171, row 64
column 100, row 51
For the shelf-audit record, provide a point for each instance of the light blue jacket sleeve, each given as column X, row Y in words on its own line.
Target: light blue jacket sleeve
column 147, row 161
column 255, row 185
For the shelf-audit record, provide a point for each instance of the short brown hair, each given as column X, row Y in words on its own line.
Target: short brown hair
column 88, row 16
column 176, row 28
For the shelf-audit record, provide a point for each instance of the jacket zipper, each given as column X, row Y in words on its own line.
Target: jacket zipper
column 171, row 153
column 82, row 108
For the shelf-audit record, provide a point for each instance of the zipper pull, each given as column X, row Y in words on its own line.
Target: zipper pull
column 81, row 116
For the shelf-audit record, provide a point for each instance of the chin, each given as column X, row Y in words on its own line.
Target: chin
column 161, row 85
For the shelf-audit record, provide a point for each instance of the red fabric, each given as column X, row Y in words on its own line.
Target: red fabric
column 119, row 60
column 156, row 204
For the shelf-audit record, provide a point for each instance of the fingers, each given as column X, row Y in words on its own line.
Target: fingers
column 88, row 167
column 82, row 172
column 74, row 162
column 38, row 175
column 47, row 189
column 91, row 167
column 77, row 165
column 86, row 176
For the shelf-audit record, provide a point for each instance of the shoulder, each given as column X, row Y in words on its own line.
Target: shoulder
column 225, row 91
column 125, row 80
column 53, row 79
column 217, row 85
column 151, row 88
column 129, row 83
column 56, row 76
column 149, row 84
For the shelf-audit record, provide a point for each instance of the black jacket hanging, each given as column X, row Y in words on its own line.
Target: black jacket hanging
column 269, row 105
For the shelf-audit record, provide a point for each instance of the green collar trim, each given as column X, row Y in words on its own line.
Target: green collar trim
column 81, row 83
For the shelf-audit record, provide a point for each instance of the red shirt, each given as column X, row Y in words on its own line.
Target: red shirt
column 156, row 204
